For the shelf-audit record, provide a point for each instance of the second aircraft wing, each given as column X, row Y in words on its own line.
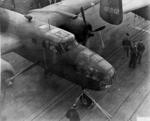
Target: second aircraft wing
column 9, row 43
column 131, row 5
column 70, row 6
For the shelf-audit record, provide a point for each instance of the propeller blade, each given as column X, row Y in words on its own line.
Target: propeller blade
column 26, row 69
column 83, row 16
column 103, row 45
column 99, row 29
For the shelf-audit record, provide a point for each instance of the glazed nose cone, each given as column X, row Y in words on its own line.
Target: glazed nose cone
column 96, row 67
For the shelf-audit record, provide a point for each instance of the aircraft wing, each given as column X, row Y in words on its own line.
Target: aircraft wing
column 131, row 5
column 70, row 6
column 9, row 43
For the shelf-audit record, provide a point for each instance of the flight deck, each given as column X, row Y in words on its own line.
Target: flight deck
column 36, row 98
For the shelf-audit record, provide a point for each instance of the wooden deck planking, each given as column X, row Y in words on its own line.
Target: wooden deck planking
column 133, row 101
column 114, row 98
column 94, row 92
column 143, row 110
column 118, row 74
column 52, row 100
column 43, row 99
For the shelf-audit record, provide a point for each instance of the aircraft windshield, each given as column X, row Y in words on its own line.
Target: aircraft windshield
column 61, row 47
column 68, row 45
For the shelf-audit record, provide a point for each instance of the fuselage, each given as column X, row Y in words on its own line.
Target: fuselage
column 66, row 21
column 58, row 51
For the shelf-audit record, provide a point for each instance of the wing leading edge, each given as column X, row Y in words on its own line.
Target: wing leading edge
column 9, row 43
column 71, row 6
column 129, row 6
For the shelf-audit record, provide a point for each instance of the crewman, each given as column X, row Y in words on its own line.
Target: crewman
column 133, row 57
column 126, row 43
column 72, row 113
column 140, row 50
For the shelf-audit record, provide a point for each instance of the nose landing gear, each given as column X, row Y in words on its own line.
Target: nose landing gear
column 85, row 100
column 88, row 101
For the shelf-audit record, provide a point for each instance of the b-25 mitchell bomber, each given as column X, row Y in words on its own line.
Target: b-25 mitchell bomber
column 54, row 45
column 51, row 35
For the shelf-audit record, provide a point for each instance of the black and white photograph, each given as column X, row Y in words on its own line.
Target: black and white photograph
column 75, row 60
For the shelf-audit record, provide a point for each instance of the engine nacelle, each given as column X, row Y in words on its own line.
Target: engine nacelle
column 7, row 71
column 69, row 22
column 75, row 26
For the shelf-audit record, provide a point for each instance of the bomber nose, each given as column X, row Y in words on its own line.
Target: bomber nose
column 94, row 66
column 108, row 79
column 109, row 74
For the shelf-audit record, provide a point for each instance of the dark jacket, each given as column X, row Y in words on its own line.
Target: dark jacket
column 133, row 50
column 126, row 42
column 140, row 47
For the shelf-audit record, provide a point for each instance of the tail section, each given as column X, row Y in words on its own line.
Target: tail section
column 111, row 11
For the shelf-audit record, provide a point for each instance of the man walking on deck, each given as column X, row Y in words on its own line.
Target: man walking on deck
column 126, row 43
column 133, row 57
column 140, row 49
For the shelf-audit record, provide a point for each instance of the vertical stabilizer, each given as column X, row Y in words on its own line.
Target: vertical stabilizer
column 111, row 11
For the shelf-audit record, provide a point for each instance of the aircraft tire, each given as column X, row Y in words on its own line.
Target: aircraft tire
column 86, row 101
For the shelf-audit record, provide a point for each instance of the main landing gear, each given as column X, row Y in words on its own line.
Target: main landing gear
column 86, row 101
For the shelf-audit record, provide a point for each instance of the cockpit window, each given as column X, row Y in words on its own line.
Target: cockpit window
column 97, row 58
column 104, row 65
column 84, row 57
column 85, row 65
column 61, row 47
column 53, row 48
column 68, row 45
column 48, row 45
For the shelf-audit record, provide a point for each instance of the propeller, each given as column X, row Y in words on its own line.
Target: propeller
column 9, row 80
column 99, row 29
column 89, row 27
column 83, row 16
